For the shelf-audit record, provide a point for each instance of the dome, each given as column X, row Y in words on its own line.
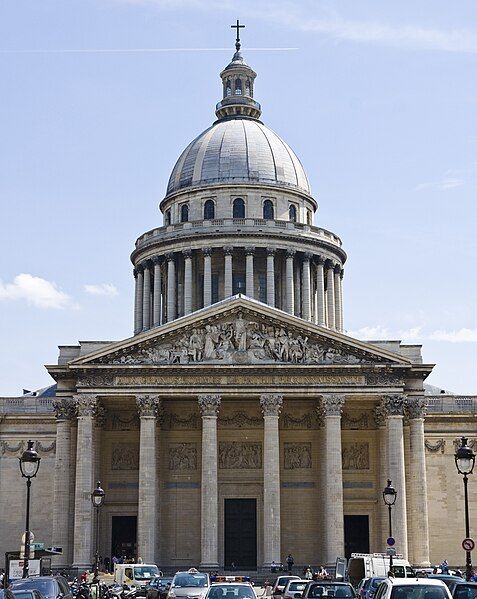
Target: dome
column 238, row 150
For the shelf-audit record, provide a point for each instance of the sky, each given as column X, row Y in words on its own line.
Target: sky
column 99, row 98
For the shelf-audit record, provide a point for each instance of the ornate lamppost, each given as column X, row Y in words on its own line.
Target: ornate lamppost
column 29, row 464
column 389, row 496
column 465, row 461
column 97, row 499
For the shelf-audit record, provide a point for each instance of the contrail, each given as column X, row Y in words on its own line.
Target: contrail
column 138, row 50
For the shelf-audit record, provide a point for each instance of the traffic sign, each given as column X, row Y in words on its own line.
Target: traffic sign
column 468, row 544
column 390, row 551
column 391, row 541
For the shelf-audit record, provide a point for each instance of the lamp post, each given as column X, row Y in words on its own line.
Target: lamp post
column 97, row 499
column 389, row 496
column 465, row 461
column 29, row 464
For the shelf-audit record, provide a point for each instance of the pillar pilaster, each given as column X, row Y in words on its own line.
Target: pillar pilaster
column 380, row 418
column 171, row 287
column 156, row 317
column 337, row 282
column 330, row 293
column 306, row 281
column 138, row 273
column 249, row 286
column 271, row 277
column 228, row 276
column 320, row 291
column 146, row 298
column 290, row 282
column 187, row 281
column 207, row 276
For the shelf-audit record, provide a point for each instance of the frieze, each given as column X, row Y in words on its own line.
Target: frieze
column 387, row 379
column 127, row 421
column 355, row 456
column 437, row 447
column 183, row 456
column 350, row 422
column 240, row 419
column 296, row 456
column 240, row 455
column 45, row 449
column 237, row 380
column 172, row 420
column 96, row 379
column 12, row 450
column 125, row 456
column 309, row 420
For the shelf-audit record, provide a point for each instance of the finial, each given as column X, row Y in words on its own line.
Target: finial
column 238, row 27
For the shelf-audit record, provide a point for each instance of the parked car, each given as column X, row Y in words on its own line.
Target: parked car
column 293, row 588
column 280, row 583
column 51, row 587
column 368, row 586
column 191, row 584
column 412, row 588
column 463, row 590
column 447, row 578
column 158, row 587
column 6, row 594
column 369, row 565
column 24, row 594
column 327, row 588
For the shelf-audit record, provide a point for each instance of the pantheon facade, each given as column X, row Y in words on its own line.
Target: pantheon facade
column 239, row 422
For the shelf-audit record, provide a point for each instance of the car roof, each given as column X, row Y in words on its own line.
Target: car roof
column 333, row 582
column 467, row 583
column 409, row 581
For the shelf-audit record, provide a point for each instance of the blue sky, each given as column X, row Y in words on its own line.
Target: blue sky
column 378, row 101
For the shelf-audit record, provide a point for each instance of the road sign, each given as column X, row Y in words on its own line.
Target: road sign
column 390, row 551
column 38, row 546
column 468, row 544
column 391, row 541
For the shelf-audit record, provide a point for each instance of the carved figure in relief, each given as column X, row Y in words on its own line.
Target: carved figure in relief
column 237, row 455
column 297, row 455
column 241, row 334
column 355, row 456
column 183, row 456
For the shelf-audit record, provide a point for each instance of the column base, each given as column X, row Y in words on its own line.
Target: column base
column 209, row 566
column 88, row 566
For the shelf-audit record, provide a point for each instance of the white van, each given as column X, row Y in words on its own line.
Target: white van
column 138, row 575
column 368, row 565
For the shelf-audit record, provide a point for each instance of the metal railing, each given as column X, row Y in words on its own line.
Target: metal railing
column 451, row 404
column 26, row 405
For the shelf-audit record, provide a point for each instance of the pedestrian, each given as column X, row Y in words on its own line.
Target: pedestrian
column 290, row 562
column 267, row 588
column 308, row 573
column 445, row 567
column 322, row 573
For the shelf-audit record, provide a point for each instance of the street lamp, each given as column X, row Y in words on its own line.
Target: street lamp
column 465, row 461
column 389, row 496
column 97, row 499
column 29, row 464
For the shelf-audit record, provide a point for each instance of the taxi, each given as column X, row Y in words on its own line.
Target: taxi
column 230, row 587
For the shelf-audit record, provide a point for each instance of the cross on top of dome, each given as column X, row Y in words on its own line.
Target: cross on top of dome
column 237, row 27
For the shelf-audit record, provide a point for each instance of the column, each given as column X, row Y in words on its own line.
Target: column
column 138, row 300
column 271, row 404
column 64, row 409
column 393, row 406
column 228, row 279
column 249, row 286
column 148, row 407
column 380, row 419
column 209, row 407
column 330, row 293
column 156, row 317
column 289, row 282
column 416, row 410
column 207, row 276
column 187, row 281
column 320, row 290
column 83, row 541
column 306, row 295
column 271, row 277
column 332, row 404
column 337, row 283
column 297, row 288
column 341, row 301
column 171, row 287
column 146, row 298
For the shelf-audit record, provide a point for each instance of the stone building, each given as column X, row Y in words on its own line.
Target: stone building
column 239, row 423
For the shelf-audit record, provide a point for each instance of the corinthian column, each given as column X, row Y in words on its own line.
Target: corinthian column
column 271, row 277
column 83, row 551
column 209, row 407
column 171, row 287
column 416, row 410
column 337, row 272
column 146, row 298
column 306, row 296
column 330, row 293
column 207, row 276
column 187, row 281
column 290, row 282
column 320, row 290
column 271, row 404
column 156, row 319
column 332, row 404
column 138, row 273
column 249, row 287
column 228, row 287
column 148, row 407
column 380, row 418
column 64, row 409
column 393, row 406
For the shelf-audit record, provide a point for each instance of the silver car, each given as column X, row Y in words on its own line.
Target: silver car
column 189, row 585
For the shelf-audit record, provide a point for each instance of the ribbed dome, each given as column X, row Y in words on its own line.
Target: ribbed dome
column 238, row 151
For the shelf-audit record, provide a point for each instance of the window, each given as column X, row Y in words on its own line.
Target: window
column 247, row 87
column 209, row 210
column 268, row 211
column 184, row 213
column 238, row 208
column 292, row 213
column 167, row 218
column 238, row 87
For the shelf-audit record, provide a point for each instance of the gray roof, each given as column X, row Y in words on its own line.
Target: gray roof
column 238, row 151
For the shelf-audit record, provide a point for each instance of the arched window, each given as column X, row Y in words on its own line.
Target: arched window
column 209, row 210
column 292, row 213
column 229, row 88
column 309, row 218
column 167, row 218
column 238, row 87
column 184, row 213
column 268, row 211
column 247, row 87
column 238, row 208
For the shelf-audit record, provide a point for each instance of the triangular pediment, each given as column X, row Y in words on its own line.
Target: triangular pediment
column 240, row 331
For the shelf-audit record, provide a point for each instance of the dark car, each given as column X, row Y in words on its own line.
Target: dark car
column 368, row 588
column 51, row 587
column 24, row 594
column 447, row 578
column 158, row 587
column 463, row 590
column 328, row 588
column 6, row 594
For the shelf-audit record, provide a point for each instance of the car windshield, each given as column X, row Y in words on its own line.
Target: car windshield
column 463, row 591
column 190, row 580
column 418, row 591
column 282, row 580
column 375, row 582
column 145, row 572
column 46, row 587
column 297, row 586
column 231, row 591
column 330, row 590
column 161, row 582
column 23, row 595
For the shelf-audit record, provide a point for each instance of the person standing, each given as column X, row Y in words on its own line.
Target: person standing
column 290, row 562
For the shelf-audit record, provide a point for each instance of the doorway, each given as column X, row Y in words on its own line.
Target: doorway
column 356, row 534
column 123, row 537
column 240, row 519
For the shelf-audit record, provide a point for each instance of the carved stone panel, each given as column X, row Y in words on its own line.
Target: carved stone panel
column 240, row 419
column 435, row 446
column 122, row 421
column 308, row 420
column 355, row 421
column 355, row 456
column 172, row 420
column 240, row 455
column 182, row 456
column 125, row 456
column 297, row 455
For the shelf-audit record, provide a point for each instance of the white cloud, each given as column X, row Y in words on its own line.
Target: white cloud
column 444, row 184
column 102, row 289
column 379, row 332
column 462, row 335
column 36, row 291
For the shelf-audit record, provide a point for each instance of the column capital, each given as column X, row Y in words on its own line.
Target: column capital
column 135, row 272
column 307, row 256
column 329, row 264
column 64, row 408
column 100, row 416
column 415, row 407
column 332, row 404
column 207, row 251
column 271, row 251
column 249, row 251
column 342, row 273
column 393, row 404
column 290, row 253
column 148, row 406
column 169, row 256
column 228, row 250
column 271, row 404
column 146, row 264
column 337, row 269
column 86, row 405
column 187, row 254
column 156, row 260
column 319, row 260
column 139, row 268
column 379, row 415
column 209, row 405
